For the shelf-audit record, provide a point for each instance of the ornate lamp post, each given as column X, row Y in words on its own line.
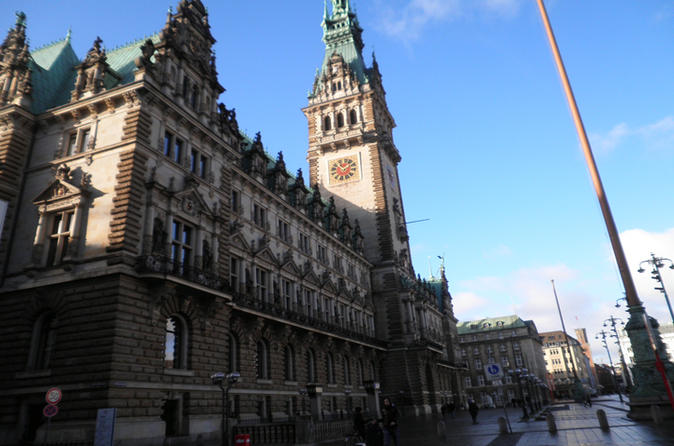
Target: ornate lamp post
column 225, row 382
column 518, row 373
column 612, row 323
column 610, row 362
column 659, row 262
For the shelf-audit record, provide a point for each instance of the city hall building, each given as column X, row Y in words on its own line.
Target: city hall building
column 147, row 243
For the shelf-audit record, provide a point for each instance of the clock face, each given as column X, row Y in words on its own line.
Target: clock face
column 344, row 169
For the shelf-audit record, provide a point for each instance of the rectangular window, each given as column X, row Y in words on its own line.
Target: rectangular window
column 194, row 161
column 283, row 231
column 480, row 380
column 236, row 201
column 178, row 150
column 181, row 246
column 59, row 236
column 261, row 283
column 168, row 142
column 337, row 263
column 72, row 143
column 234, row 273
column 287, row 291
column 467, row 381
column 203, row 166
column 84, row 140
column 259, row 215
column 322, row 254
column 305, row 247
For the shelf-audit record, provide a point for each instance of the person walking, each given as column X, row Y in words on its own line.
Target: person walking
column 390, row 421
column 473, row 409
column 451, row 407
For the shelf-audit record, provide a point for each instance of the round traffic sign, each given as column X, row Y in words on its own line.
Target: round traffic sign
column 50, row 410
column 53, row 395
column 494, row 369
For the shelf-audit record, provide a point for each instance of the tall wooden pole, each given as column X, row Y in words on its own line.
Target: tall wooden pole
column 628, row 283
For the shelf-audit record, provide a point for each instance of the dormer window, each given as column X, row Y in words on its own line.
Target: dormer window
column 327, row 124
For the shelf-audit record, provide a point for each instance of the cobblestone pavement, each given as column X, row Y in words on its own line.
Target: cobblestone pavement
column 577, row 426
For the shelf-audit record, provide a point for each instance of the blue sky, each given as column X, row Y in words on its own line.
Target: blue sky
column 489, row 150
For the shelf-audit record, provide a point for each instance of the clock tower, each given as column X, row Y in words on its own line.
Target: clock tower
column 351, row 151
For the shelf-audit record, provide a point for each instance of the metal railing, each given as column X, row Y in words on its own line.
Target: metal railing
column 165, row 265
column 272, row 433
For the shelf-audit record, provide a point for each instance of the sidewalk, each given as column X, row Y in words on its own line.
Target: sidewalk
column 577, row 426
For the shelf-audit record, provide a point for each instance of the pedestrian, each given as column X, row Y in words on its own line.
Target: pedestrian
column 359, row 422
column 451, row 407
column 373, row 434
column 390, row 420
column 473, row 409
column 588, row 400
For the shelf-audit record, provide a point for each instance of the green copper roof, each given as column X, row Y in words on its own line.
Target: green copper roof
column 342, row 35
column 121, row 59
column 53, row 74
column 488, row 324
column 53, row 68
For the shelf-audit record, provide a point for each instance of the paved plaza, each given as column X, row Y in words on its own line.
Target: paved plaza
column 577, row 426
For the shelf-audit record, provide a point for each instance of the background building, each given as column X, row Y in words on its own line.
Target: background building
column 148, row 243
column 581, row 335
column 513, row 344
column 565, row 363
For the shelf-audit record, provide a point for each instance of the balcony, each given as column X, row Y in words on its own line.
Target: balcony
column 165, row 265
column 277, row 310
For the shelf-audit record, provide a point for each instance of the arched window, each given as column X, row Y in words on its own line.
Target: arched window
column 262, row 362
column 311, row 366
column 175, row 347
column 289, row 354
column 340, row 120
column 373, row 375
column 42, row 343
column 347, row 371
column 327, row 123
column 233, row 353
column 353, row 116
column 330, row 368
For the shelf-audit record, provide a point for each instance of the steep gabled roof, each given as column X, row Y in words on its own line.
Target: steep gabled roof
column 53, row 74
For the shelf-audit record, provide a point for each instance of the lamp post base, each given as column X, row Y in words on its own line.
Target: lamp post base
column 649, row 388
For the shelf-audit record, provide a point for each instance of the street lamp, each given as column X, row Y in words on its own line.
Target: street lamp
column 518, row 373
column 612, row 323
column 605, row 344
column 225, row 382
column 659, row 262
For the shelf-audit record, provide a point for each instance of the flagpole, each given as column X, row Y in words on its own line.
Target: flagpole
column 630, row 290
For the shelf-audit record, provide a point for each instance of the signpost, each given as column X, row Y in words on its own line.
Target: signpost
column 493, row 371
column 53, row 396
column 105, row 427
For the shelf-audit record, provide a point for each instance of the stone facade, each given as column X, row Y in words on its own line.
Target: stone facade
column 511, row 343
column 566, row 363
column 148, row 244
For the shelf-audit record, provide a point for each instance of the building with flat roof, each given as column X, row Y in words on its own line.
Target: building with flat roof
column 512, row 344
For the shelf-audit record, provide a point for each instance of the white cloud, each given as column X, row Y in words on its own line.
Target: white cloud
column 610, row 140
column 507, row 8
column 656, row 136
column 408, row 22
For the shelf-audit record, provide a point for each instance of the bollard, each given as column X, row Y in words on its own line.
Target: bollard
column 656, row 414
column 502, row 426
column 552, row 425
column 603, row 421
